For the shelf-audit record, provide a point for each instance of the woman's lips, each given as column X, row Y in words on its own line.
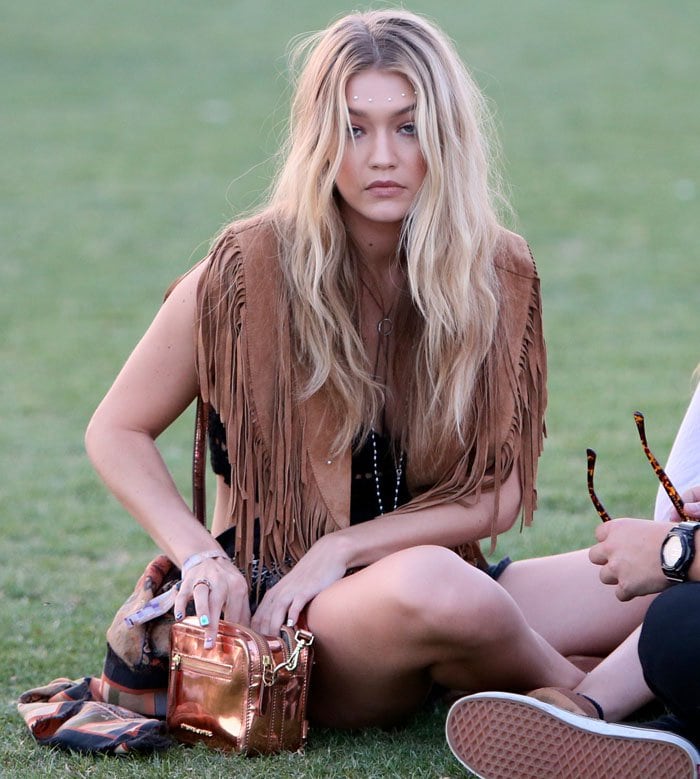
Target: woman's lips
column 385, row 188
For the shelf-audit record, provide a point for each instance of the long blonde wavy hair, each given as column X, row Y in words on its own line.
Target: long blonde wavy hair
column 447, row 241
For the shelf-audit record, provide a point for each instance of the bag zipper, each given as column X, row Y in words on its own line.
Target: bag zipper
column 201, row 665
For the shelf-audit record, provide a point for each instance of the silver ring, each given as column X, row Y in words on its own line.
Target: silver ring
column 205, row 582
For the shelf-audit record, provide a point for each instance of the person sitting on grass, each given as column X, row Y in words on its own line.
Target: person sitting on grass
column 370, row 346
column 554, row 732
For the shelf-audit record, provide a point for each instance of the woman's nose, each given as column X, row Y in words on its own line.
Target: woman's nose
column 383, row 154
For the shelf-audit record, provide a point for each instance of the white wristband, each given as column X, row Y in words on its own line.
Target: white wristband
column 199, row 557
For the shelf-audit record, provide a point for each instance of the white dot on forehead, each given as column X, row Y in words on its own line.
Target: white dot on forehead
column 388, row 99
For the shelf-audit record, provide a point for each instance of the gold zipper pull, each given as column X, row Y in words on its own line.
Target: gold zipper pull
column 175, row 661
column 268, row 673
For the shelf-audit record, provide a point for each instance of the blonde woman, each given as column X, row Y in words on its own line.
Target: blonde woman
column 370, row 346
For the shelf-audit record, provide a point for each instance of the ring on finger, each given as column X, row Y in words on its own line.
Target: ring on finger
column 205, row 582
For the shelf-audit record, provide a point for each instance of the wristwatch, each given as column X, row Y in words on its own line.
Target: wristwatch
column 678, row 551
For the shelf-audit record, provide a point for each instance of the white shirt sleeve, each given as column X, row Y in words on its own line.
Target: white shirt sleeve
column 683, row 466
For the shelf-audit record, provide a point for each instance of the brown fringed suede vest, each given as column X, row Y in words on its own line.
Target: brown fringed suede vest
column 283, row 472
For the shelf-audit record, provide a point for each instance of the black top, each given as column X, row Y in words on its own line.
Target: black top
column 364, row 504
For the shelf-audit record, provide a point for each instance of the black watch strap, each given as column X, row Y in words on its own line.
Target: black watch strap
column 678, row 551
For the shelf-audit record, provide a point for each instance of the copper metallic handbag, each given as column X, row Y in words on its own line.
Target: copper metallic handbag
column 247, row 694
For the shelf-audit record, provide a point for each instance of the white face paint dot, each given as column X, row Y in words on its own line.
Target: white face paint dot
column 370, row 99
column 355, row 97
column 389, row 99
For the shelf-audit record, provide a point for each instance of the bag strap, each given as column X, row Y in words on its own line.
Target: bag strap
column 199, row 461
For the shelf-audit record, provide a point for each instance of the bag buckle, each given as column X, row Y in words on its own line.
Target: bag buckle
column 303, row 639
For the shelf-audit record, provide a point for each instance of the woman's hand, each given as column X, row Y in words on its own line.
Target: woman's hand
column 216, row 586
column 322, row 565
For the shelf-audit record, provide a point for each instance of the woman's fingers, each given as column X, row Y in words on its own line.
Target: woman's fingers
column 270, row 614
column 181, row 601
column 294, row 611
column 318, row 569
column 278, row 608
column 208, row 616
column 292, row 615
column 237, row 610
column 215, row 587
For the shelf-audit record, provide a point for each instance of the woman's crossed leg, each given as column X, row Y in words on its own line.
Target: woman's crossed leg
column 417, row 617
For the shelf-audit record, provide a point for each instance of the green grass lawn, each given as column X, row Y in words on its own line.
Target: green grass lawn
column 130, row 132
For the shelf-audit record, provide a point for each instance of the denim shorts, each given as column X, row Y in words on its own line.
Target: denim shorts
column 496, row 569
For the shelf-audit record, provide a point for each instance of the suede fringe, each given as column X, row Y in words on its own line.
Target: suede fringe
column 272, row 478
column 513, row 377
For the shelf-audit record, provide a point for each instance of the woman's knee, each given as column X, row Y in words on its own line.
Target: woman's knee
column 437, row 591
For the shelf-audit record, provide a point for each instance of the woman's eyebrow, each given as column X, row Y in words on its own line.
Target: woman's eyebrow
column 358, row 112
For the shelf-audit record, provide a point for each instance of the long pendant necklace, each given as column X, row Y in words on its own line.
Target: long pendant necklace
column 377, row 477
column 385, row 327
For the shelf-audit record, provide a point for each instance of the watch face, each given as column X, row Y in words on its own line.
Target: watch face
column 673, row 550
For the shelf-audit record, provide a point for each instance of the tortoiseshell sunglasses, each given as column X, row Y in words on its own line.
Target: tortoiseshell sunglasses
column 671, row 491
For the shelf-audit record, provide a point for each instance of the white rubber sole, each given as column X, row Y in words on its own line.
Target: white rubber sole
column 498, row 735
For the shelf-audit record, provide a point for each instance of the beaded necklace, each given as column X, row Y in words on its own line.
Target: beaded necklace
column 385, row 327
column 377, row 477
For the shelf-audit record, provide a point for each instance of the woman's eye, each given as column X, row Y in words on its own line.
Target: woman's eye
column 408, row 129
column 355, row 131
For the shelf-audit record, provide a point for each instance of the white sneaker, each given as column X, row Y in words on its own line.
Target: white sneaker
column 498, row 735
